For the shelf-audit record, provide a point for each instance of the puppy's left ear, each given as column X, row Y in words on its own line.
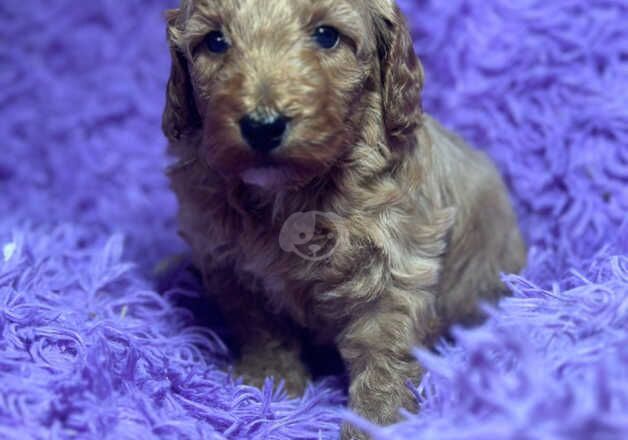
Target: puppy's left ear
column 401, row 74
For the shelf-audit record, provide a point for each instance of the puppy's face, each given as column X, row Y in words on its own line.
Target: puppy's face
column 278, row 86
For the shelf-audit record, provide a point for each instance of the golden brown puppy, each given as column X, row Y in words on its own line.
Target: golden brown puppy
column 316, row 194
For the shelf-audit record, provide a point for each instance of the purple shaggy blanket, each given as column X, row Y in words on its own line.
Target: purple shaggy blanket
column 96, row 342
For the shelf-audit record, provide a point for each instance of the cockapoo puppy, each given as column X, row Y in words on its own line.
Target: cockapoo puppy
column 315, row 193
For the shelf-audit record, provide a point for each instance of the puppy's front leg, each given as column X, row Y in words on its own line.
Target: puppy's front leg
column 268, row 345
column 376, row 349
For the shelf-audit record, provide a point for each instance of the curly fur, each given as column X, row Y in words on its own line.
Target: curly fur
column 429, row 223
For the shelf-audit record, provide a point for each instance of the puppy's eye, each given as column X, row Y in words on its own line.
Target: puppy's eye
column 326, row 37
column 216, row 42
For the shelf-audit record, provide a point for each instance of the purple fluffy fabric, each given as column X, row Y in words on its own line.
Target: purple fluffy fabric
column 95, row 342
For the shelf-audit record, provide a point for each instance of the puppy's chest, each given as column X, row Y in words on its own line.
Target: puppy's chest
column 222, row 238
column 263, row 267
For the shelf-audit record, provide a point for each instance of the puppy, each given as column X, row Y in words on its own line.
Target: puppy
column 315, row 193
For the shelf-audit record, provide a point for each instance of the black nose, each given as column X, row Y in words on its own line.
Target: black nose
column 263, row 135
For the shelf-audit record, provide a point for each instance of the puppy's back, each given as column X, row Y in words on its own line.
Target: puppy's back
column 485, row 240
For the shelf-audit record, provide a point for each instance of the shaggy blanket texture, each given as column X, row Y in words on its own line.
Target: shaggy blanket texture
column 99, row 341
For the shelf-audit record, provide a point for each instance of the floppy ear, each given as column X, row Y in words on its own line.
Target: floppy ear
column 180, row 114
column 401, row 75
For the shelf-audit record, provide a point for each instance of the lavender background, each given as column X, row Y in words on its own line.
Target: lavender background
column 97, row 341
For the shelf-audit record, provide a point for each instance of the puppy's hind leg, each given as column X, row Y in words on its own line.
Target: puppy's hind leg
column 487, row 244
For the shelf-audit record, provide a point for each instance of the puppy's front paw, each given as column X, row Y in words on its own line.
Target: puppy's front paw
column 349, row 432
column 256, row 364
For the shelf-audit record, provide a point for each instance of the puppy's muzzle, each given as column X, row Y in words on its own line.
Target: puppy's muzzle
column 263, row 134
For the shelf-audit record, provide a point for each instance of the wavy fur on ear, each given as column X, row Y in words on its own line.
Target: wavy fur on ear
column 401, row 73
column 180, row 114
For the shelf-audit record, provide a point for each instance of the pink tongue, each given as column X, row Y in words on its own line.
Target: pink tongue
column 265, row 177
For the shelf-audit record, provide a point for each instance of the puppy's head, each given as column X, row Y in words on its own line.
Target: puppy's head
column 277, row 90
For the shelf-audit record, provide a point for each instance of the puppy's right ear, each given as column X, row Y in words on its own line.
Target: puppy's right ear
column 180, row 115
